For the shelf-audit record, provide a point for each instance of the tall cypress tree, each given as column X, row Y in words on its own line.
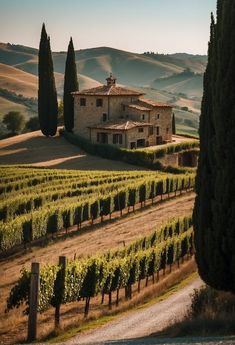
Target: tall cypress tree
column 173, row 124
column 214, row 211
column 70, row 85
column 47, row 96
column 42, row 81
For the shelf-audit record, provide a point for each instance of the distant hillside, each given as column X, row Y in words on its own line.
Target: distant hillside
column 163, row 77
column 13, row 79
column 96, row 63
column 186, row 82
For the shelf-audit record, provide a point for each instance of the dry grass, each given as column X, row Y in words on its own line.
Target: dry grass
column 18, row 81
column 212, row 313
column 35, row 149
column 6, row 106
column 14, row 325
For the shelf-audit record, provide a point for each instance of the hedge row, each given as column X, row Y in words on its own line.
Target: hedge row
column 56, row 217
column 144, row 158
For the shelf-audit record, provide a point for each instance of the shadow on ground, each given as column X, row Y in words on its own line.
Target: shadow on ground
column 53, row 152
column 170, row 341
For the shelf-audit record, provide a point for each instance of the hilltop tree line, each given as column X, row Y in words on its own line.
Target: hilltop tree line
column 47, row 95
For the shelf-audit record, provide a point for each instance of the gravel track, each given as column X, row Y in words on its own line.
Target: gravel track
column 140, row 323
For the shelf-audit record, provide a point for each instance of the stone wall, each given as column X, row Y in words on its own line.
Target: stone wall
column 128, row 137
column 90, row 115
column 136, row 115
column 162, row 118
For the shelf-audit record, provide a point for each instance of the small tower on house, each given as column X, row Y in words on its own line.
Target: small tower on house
column 111, row 81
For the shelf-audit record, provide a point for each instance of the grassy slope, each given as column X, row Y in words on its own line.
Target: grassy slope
column 18, row 81
column 6, row 106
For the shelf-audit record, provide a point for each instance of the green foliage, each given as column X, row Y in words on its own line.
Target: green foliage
column 33, row 124
column 145, row 158
column 20, row 292
column 47, row 96
column 48, row 279
column 46, row 206
column 15, row 121
column 214, row 206
column 60, row 113
column 70, row 85
column 110, row 271
column 201, row 300
column 173, row 124
column 91, row 283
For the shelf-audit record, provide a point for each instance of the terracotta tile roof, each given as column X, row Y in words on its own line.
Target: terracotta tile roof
column 121, row 126
column 135, row 105
column 152, row 103
column 105, row 90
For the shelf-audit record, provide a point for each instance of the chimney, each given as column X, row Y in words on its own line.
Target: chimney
column 111, row 80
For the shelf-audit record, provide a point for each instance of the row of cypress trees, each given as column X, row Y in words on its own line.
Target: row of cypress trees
column 214, row 212
column 47, row 95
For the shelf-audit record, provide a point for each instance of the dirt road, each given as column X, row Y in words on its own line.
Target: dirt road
column 142, row 322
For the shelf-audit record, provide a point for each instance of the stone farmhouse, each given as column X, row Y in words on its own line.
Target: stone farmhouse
column 115, row 115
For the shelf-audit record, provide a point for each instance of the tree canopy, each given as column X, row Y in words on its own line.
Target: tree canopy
column 47, row 96
column 14, row 121
column 214, row 212
column 70, row 85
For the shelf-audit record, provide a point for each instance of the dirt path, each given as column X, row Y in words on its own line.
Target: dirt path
column 142, row 322
column 35, row 149
column 171, row 341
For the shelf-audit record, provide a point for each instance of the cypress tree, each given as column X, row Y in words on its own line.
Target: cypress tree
column 47, row 96
column 214, row 211
column 173, row 124
column 70, row 85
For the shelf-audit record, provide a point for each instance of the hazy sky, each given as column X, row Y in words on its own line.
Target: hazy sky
column 163, row 26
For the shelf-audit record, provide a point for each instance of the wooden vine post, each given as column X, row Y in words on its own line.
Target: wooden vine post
column 61, row 282
column 33, row 302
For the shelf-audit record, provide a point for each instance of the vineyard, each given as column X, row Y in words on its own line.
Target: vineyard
column 38, row 202
column 110, row 272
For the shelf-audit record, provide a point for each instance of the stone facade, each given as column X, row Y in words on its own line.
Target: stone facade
column 119, row 116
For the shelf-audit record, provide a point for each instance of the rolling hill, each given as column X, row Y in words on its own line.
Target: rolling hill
column 96, row 63
column 186, row 82
column 15, row 80
column 175, row 79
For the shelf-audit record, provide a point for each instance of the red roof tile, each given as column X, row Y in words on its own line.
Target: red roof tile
column 153, row 103
column 135, row 105
column 122, row 126
column 105, row 90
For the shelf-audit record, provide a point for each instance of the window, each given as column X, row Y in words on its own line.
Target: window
column 142, row 117
column 157, row 117
column 167, row 130
column 104, row 117
column 82, row 102
column 98, row 137
column 158, row 130
column 117, row 139
column 103, row 138
column 123, row 107
column 140, row 130
column 99, row 102
column 151, row 130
